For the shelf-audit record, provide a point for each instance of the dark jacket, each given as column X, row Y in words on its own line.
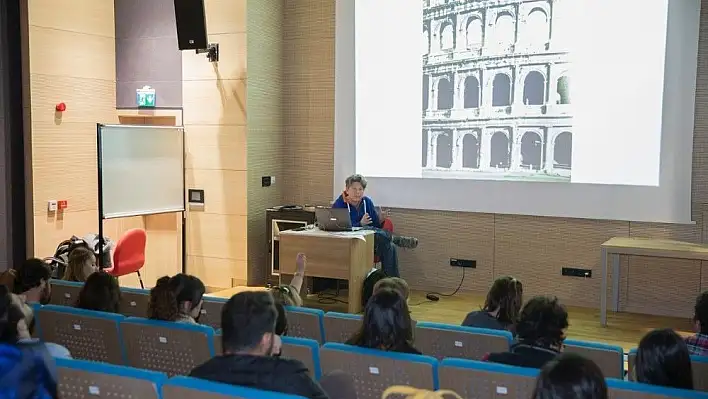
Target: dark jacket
column 523, row 355
column 261, row 372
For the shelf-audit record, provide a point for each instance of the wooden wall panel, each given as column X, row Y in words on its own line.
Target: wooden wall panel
column 214, row 103
column 531, row 248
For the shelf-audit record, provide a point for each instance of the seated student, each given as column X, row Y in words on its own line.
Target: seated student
column 570, row 376
column 501, row 308
column 363, row 214
column 663, row 359
column 26, row 326
column 177, row 298
column 289, row 295
column 386, row 324
column 32, row 281
column 82, row 262
column 101, row 293
column 698, row 344
column 26, row 370
column 395, row 283
column 540, row 331
column 252, row 350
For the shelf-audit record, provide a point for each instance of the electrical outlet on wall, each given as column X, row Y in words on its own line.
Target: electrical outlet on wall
column 52, row 205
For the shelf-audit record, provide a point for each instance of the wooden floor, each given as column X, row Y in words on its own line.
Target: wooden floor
column 624, row 329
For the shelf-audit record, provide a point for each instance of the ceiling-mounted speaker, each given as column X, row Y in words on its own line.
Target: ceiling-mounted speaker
column 191, row 24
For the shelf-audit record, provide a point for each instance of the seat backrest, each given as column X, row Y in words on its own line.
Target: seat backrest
column 84, row 379
column 65, row 293
column 620, row 389
column 211, row 312
column 339, row 327
column 373, row 370
column 610, row 358
column 699, row 367
column 166, row 346
column 218, row 344
column 134, row 302
column 475, row 379
column 305, row 350
column 194, row 388
column 129, row 253
column 87, row 334
column 305, row 323
column 446, row 340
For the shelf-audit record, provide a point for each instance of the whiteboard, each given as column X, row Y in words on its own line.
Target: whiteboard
column 140, row 170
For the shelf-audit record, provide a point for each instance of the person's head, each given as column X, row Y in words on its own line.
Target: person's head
column 248, row 324
column 355, row 186
column 285, row 295
column 570, row 376
column 504, row 299
column 32, row 281
column 700, row 314
column 387, row 322
column 663, row 359
column 82, row 263
column 176, row 296
column 543, row 322
column 10, row 317
column 100, row 292
column 394, row 283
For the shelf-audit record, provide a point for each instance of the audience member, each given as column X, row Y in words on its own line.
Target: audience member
column 252, row 350
column 178, row 298
column 101, row 293
column 501, row 308
column 386, row 324
column 26, row 326
column 82, row 262
column 663, row 359
column 570, row 376
column 32, row 281
column 540, row 332
column 289, row 295
column 7, row 278
column 26, row 370
column 698, row 344
column 395, row 283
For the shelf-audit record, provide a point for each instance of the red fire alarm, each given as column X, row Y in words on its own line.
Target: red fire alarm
column 63, row 204
column 61, row 107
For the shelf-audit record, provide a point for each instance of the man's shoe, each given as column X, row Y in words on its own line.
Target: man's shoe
column 405, row 242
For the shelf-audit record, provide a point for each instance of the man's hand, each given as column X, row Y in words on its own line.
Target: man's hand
column 300, row 262
column 366, row 220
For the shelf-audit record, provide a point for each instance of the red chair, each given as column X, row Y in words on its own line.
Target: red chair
column 129, row 254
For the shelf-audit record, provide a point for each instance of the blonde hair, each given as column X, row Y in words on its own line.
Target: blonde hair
column 78, row 268
column 415, row 393
column 395, row 283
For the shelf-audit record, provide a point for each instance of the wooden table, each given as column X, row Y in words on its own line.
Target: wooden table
column 617, row 246
column 337, row 255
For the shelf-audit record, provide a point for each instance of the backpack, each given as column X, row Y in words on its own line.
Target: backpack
column 415, row 393
column 60, row 260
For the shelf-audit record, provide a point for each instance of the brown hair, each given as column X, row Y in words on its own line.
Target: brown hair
column 170, row 292
column 505, row 297
column 77, row 269
column 101, row 293
column 395, row 283
column 286, row 295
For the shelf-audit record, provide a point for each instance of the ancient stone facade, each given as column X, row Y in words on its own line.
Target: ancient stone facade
column 496, row 90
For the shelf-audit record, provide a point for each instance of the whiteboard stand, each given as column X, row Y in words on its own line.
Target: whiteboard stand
column 140, row 173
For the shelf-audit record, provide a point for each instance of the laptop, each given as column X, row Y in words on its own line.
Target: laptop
column 333, row 219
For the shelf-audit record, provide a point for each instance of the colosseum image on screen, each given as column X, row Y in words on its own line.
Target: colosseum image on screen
column 496, row 90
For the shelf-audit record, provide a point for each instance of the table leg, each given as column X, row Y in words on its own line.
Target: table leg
column 615, row 282
column 603, row 287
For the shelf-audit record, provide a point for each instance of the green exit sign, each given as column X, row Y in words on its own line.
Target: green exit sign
column 145, row 97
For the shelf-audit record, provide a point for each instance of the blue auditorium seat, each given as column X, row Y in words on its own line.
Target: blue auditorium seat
column 610, row 358
column 305, row 350
column 81, row 378
column 621, row 388
column 194, row 388
column 475, row 379
column 447, row 340
column 305, row 323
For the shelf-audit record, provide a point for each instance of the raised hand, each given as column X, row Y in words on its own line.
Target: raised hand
column 366, row 220
column 301, row 263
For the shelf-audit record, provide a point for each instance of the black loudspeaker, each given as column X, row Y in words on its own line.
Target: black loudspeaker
column 191, row 24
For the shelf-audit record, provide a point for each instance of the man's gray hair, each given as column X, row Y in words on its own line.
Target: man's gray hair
column 355, row 179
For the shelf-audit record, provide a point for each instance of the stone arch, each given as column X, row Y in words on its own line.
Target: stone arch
column 474, row 33
column 443, row 156
column 470, row 151
column 501, row 90
column 425, row 42
column 563, row 151
column 471, row 92
column 537, row 27
column 534, row 88
column 531, row 150
column 563, row 90
column 447, row 36
column 504, row 30
column 446, row 94
column 500, row 147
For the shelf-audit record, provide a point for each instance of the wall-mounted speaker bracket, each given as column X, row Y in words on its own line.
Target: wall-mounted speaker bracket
column 212, row 52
